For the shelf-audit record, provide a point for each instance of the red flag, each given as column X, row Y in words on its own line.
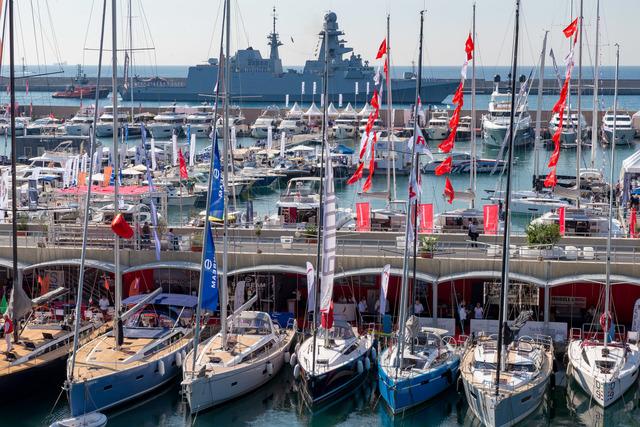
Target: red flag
column 386, row 68
column 444, row 167
column 363, row 217
column 490, row 219
column 372, row 165
column 551, row 179
column 183, row 166
column 553, row 160
column 468, row 47
column 382, row 49
column 134, row 287
column 357, row 175
column 448, row 191
column 26, row 87
column 561, row 215
column 327, row 317
column 632, row 223
column 106, row 283
column 121, row 227
column 374, row 101
column 571, row 29
column 447, row 145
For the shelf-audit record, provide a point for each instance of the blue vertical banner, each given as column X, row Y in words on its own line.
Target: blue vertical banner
column 209, row 278
column 209, row 273
column 216, row 205
column 154, row 211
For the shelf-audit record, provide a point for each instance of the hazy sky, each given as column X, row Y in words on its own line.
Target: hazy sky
column 187, row 31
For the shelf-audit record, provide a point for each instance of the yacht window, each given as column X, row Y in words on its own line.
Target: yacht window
column 340, row 330
column 521, row 367
column 251, row 324
column 484, row 365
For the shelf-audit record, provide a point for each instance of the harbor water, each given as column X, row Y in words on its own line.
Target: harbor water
column 278, row 404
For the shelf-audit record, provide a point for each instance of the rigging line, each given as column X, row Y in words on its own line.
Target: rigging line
column 146, row 21
column 56, row 46
column 33, row 22
column 241, row 21
column 86, row 33
column 214, row 30
column 21, row 30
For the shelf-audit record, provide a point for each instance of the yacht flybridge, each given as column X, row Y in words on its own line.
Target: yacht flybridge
column 495, row 124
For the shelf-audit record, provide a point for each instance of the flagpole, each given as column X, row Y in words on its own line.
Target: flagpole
column 474, row 163
column 391, row 166
column 85, row 222
column 207, row 225
column 14, row 157
column 579, row 115
column 325, row 122
column 404, row 289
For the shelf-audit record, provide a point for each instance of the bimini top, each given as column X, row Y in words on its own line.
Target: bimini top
column 176, row 300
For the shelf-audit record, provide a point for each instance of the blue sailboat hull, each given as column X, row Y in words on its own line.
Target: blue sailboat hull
column 124, row 385
column 405, row 394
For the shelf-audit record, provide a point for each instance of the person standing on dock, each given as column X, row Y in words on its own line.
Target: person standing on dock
column 8, row 330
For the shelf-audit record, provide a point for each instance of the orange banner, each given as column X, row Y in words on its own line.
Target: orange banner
column 363, row 217
column 490, row 219
column 107, row 176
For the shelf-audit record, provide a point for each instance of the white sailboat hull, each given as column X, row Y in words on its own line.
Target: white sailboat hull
column 604, row 389
column 503, row 410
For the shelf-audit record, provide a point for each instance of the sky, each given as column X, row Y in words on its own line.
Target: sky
column 187, row 31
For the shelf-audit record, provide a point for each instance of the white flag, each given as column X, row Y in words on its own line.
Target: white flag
column 286, row 100
column 358, row 87
column 311, row 293
column 463, row 71
column 174, row 146
column 192, row 150
column 269, row 138
column 384, row 286
column 283, row 137
column 302, row 88
column 314, row 88
column 339, row 100
column 238, row 297
column 154, row 164
column 367, row 90
column 421, row 144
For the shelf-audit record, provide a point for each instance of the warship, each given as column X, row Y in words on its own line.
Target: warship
column 264, row 80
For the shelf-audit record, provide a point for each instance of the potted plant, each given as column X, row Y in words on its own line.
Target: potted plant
column 541, row 238
column 427, row 247
column 23, row 224
column 196, row 242
column 311, row 233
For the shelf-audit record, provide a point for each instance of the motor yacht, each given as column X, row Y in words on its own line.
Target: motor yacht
column 104, row 127
column 80, row 124
column 200, row 121
column 44, row 126
column 438, row 125
column 270, row 117
column 495, row 124
column 569, row 135
column 582, row 222
column 624, row 132
column 167, row 122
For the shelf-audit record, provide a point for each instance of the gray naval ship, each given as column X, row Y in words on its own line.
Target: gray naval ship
column 257, row 79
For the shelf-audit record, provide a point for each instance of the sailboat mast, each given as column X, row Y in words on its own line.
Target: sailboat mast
column 579, row 114
column 325, row 123
column 131, row 60
column 116, row 169
column 474, row 165
column 14, row 160
column 607, row 290
column 228, row 163
column 201, row 285
column 504, row 286
column 536, row 146
column 596, row 81
column 404, row 289
column 87, row 205
column 391, row 166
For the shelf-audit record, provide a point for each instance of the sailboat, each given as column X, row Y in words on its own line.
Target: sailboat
column 336, row 358
column 148, row 342
column 600, row 361
column 505, row 377
column 421, row 363
column 250, row 348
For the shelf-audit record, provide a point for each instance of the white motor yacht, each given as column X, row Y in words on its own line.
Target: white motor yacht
column 199, row 121
column 44, row 126
column 104, row 127
column 582, row 222
column 624, row 132
column 569, row 135
column 495, row 124
column 80, row 124
column 167, row 122
column 270, row 117
column 438, row 125
column 346, row 125
column 255, row 351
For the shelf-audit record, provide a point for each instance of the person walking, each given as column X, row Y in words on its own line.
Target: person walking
column 8, row 330
column 473, row 233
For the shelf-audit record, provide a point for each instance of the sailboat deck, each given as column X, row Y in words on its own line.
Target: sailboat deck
column 507, row 378
column 101, row 357
column 32, row 338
